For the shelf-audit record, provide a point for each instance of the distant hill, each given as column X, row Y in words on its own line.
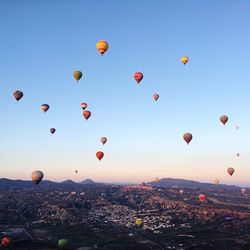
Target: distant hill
column 68, row 182
column 87, row 182
column 181, row 183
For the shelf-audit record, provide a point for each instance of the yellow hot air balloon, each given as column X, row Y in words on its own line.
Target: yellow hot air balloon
column 102, row 46
column 216, row 181
column 77, row 75
column 184, row 59
column 138, row 222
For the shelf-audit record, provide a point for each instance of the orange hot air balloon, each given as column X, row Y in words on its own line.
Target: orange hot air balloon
column 18, row 95
column 84, row 105
column 5, row 241
column 138, row 76
column 202, row 197
column 224, row 119
column 86, row 114
column 37, row 176
column 156, row 97
column 238, row 154
column 184, row 59
column 99, row 155
column 230, row 171
column 187, row 137
column 216, row 181
column 102, row 46
column 77, row 75
column 103, row 140
column 45, row 107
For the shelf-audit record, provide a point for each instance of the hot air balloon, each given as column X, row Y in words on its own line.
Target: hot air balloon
column 37, row 176
column 238, row 154
column 52, row 130
column 224, row 119
column 156, row 97
column 102, row 46
column 181, row 191
column 156, row 179
column 237, row 127
column 202, row 197
column 84, row 105
column 45, row 107
column 63, row 243
column 243, row 190
column 76, row 171
column 138, row 222
column 86, row 114
column 103, row 140
column 18, row 94
column 230, row 171
column 138, row 76
column 77, row 75
column 99, row 155
column 184, row 59
column 187, row 137
column 5, row 241
column 216, row 181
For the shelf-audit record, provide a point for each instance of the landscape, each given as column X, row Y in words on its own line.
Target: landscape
column 124, row 125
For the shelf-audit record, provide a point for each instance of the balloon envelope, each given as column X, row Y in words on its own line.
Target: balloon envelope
column 138, row 76
column 103, row 140
column 84, row 105
column 187, row 137
column 45, row 107
column 202, row 197
column 102, row 46
column 230, row 171
column 52, row 130
column 18, row 94
column 77, row 75
column 184, row 59
column 99, row 155
column 86, row 114
column 238, row 154
column 37, row 176
column 5, row 241
column 216, row 181
column 224, row 119
column 243, row 190
column 63, row 243
column 138, row 222
column 156, row 97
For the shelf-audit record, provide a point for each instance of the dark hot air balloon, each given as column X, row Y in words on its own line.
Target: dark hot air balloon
column 156, row 97
column 18, row 95
column 63, row 243
column 5, row 241
column 52, row 130
column 84, row 105
column 103, row 140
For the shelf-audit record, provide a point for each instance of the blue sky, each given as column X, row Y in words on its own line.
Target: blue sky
column 43, row 43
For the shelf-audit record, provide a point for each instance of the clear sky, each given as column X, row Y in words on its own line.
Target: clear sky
column 43, row 42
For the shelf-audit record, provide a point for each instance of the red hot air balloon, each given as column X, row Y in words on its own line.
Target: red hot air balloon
column 202, row 197
column 230, row 171
column 99, row 155
column 84, row 105
column 156, row 97
column 138, row 76
column 187, row 137
column 224, row 119
column 86, row 114
column 5, row 241
column 52, row 130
